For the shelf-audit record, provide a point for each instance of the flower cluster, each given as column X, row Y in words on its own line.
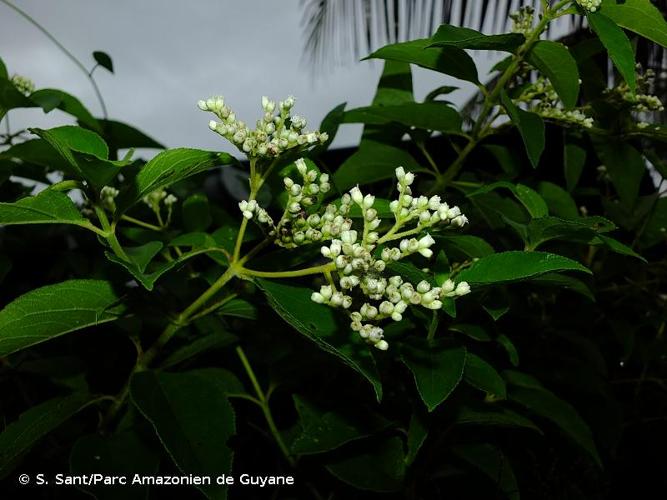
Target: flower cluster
column 590, row 5
column 108, row 196
column 297, row 227
column 156, row 199
column 544, row 101
column 361, row 258
column 23, row 84
column 642, row 100
column 275, row 133
column 522, row 20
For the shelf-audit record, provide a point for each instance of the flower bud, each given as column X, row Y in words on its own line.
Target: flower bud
column 356, row 195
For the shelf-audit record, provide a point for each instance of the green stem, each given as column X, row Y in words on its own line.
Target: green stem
column 289, row 274
column 481, row 127
column 67, row 185
column 214, row 306
column 429, row 158
column 73, row 58
column 264, row 405
column 110, row 230
column 140, row 223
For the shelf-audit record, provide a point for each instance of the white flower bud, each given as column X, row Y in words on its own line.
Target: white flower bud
column 382, row 345
column 400, row 173
column 434, row 202
column 356, row 195
column 423, row 286
column 463, row 288
column 316, row 297
column 386, row 308
column 301, row 166
column 447, row 287
column 349, row 237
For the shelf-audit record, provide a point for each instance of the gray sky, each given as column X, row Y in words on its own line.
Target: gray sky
column 169, row 54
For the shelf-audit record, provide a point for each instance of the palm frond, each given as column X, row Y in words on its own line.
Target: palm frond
column 341, row 31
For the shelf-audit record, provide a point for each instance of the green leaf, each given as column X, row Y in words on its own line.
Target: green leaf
column 506, row 267
column 437, row 92
column 437, row 368
column 465, row 245
column 34, row 151
column 625, row 166
column 575, row 158
column 217, row 340
column 495, row 416
column 475, row 332
column 323, row 429
column 656, row 225
column 466, row 38
column 49, row 99
column 533, row 202
column 167, row 168
column 509, row 347
column 239, row 308
column 558, row 200
column 531, row 128
column 554, row 61
column 493, row 463
column 450, row 60
column 330, row 125
column 148, row 277
column 417, row 434
column 373, row 162
column 193, row 419
column 562, row 281
column 496, row 303
column 85, row 152
column 617, row 44
column 104, row 60
column 582, row 229
column 142, row 255
column 319, row 324
column 120, row 135
column 54, row 310
column 11, row 98
column 428, row 116
column 483, row 376
column 640, row 16
column 547, row 405
column 376, row 467
column 121, row 454
column 196, row 213
column 3, row 70
column 395, row 85
column 69, row 138
column 46, row 207
column 21, row 435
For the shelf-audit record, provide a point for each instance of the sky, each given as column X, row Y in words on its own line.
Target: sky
column 168, row 54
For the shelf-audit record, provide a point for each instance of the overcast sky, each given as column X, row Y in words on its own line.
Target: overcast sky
column 169, row 54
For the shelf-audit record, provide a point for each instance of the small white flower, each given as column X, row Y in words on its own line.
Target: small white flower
column 356, row 195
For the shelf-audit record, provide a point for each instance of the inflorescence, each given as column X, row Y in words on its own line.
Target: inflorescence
column 276, row 132
column 359, row 282
column 543, row 100
column 23, row 84
column 590, row 5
